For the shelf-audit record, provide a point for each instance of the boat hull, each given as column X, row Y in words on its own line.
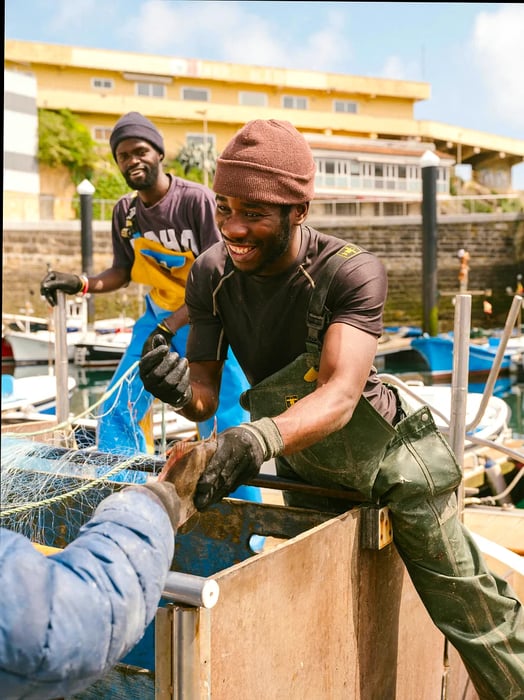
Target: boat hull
column 438, row 353
column 39, row 347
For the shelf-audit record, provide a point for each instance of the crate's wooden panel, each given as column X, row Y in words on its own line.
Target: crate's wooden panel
column 318, row 617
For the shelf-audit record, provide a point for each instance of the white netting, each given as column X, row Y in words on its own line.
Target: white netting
column 49, row 486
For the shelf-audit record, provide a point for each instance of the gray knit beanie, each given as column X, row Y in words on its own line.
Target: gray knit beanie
column 267, row 161
column 134, row 125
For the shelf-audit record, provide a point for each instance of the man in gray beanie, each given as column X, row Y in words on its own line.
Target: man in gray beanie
column 157, row 233
column 303, row 313
column 135, row 126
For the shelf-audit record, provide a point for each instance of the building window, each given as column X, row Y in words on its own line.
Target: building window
column 102, row 83
column 345, row 106
column 196, row 94
column 102, row 133
column 292, row 102
column 150, row 90
column 194, row 139
column 252, row 99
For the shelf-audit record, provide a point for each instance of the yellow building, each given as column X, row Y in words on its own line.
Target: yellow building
column 364, row 137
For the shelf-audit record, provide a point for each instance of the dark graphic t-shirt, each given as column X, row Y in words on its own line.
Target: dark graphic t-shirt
column 183, row 220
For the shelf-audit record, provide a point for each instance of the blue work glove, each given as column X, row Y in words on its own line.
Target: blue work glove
column 165, row 374
column 239, row 455
column 60, row 281
column 162, row 330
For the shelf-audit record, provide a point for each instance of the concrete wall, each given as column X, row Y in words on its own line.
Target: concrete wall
column 495, row 244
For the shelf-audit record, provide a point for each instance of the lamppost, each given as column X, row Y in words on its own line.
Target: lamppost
column 429, row 166
column 86, row 190
column 205, row 163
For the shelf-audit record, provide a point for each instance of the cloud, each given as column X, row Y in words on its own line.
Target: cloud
column 65, row 16
column 231, row 31
column 498, row 49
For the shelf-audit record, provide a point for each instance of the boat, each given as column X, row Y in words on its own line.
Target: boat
column 30, row 398
column 8, row 358
column 97, row 349
column 493, row 424
column 514, row 347
column 32, row 338
column 437, row 351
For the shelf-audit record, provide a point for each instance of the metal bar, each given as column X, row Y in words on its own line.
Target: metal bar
column 185, row 654
column 269, row 481
column 459, row 384
column 187, row 589
column 511, row 319
column 61, row 359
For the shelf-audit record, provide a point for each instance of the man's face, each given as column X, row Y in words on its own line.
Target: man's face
column 259, row 237
column 139, row 163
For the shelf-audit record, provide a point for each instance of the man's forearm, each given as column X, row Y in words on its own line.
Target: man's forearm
column 109, row 280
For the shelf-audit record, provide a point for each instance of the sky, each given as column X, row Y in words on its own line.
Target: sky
column 472, row 54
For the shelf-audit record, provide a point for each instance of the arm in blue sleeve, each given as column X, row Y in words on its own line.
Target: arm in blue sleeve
column 66, row 619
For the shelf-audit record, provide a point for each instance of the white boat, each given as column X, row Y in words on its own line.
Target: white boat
column 24, row 398
column 492, row 424
column 32, row 338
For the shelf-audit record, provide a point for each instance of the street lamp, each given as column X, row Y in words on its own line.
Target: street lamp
column 86, row 190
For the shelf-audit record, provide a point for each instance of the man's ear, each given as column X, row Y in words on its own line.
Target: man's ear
column 300, row 212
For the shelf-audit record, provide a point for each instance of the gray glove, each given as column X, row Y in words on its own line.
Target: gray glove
column 167, row 495
column 59, row 281
column 239, row 455
column 165, row 374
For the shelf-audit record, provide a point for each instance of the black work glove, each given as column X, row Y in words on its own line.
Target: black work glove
column 62, row 281
column 239, row 455
column 162, row 330
column 165, row 374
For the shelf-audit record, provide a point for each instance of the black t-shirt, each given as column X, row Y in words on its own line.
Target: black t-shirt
column 263, row 318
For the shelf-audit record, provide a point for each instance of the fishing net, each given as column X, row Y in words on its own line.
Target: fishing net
column 53, row 477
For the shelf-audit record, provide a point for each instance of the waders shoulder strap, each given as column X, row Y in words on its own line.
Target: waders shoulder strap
column 130, row 227
column 318, row 315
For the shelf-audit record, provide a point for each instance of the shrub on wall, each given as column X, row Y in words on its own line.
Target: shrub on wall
column 64, row 140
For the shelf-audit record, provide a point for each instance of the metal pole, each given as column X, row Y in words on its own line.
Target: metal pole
column 85, row 189
column 61, row 359
column 459, row 384
column 428, row 164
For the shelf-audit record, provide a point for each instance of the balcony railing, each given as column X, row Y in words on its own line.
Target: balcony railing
column 49, row 208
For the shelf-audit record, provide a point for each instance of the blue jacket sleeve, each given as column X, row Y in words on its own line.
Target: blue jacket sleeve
column 66, row 619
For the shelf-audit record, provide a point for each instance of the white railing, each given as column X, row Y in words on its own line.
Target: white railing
column 49, row 208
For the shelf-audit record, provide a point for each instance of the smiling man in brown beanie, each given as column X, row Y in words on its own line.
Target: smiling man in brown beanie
column 302, row 312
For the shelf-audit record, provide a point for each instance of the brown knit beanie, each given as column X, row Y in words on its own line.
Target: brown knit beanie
column 134, row 125
column 266, row 161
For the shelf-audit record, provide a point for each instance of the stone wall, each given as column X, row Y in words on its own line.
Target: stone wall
column 495, row 244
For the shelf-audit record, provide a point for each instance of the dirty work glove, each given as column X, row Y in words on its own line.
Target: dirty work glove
column 239, row 455
column 165, row 374
column 62, row 281
column 162, row 330
column 168, row 496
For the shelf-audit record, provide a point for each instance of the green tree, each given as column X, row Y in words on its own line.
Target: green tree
column 64, row 141
column 196, row 157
